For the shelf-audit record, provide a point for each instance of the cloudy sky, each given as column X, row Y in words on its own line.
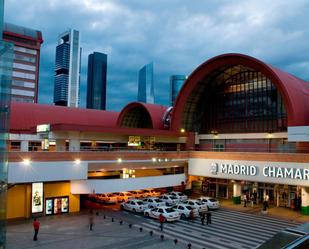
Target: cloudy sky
column 177, row 35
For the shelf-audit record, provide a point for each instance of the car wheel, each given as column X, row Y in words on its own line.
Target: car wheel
column 183, row 216
column 134, row 210
column 147, row 214
column 121, row 207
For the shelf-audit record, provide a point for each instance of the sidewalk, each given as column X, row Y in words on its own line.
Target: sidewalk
column 276, row 212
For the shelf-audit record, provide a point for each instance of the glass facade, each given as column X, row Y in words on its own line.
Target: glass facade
column 6, row 62
column 67, row 69
column 146, row 84
column 96, row 81
column 236, row 100
column 176, row 82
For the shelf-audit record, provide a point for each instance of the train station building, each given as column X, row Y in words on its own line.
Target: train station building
column 238, row 126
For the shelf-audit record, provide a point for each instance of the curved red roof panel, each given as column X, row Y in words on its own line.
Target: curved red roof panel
column 26, row 116
column 156, row 113
column 294, row 91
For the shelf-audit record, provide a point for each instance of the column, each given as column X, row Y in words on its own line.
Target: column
column 236, row 193
column 74, row 145
column 24, row 145
column 60, row 145
column 305, row 200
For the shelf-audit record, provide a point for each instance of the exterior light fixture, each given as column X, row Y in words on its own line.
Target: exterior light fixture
column 154, row 159
column 77, row 161
column 182, row 130
column 26, row 161
column 270, row 135
column 119, row 160
column 166, row 159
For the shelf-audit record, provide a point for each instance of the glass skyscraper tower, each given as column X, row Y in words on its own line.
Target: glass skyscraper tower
column 176, row 82
column 146, row 84
column 67, row 69
column 96, row 81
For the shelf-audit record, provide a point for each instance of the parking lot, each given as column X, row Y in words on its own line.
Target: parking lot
column 228, row 229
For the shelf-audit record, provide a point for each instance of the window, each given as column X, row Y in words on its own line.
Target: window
column 25, row 50
column 29, row 76
column 24, row 66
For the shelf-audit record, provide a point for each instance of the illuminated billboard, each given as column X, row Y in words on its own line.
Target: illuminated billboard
column 37, row 197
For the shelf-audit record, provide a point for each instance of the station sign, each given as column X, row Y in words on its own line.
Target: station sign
column 258, row 171
column 43, row 128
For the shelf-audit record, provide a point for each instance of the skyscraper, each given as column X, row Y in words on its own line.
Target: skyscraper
column 146, row 84
column 27, row 44
column 67, row 69
column 96, row 81
column 176, row 82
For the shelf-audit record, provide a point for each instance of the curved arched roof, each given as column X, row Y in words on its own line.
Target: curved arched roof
column 155, row 113
column 26, row 116
column 294, row 91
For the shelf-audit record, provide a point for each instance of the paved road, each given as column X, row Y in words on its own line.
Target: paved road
column 229, row 229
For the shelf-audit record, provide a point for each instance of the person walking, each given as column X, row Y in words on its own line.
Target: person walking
column 208, row 218
column 245, row 200
column 202, row 215
column 91, row 222
column 191, row 215
column 161, row 219
column 36, row 227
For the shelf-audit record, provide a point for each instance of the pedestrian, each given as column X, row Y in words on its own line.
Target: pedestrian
column 191, row 215
column 161, row 219
column 208, row 218
column 245, row 200
column 252, row 200
column 202, row 215
column 91, row 222
column 36, row 226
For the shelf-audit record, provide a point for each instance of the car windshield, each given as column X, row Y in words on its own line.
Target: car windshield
column 169, row 210
column 181, row 194
column 139, row 203
column 173, row 197
column 212, row 200
column 158, row 200
column 188, row 207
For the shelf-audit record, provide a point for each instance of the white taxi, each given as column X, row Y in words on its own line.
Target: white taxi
column 185, row 210
column 212, row 203
column 153, row 202
column 137, row 193
column 134, row 205
column 201, row 207
column 169, row 200
column 168, row 213
column 181, row 196
column 123, row 196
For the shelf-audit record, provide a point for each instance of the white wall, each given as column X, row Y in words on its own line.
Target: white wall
column 298, row 133
column 18, row 172
column 119, row 185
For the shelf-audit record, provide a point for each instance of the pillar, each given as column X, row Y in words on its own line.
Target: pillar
column 24, row 145
column 60, row 145
column 74, row 145
column 236, row 193
column 305, row 200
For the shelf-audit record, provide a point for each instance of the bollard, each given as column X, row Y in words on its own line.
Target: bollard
column 189, row 246
column 175, row 241
column 104, row 217
column 162, row 236
column 112, row 219
column 140, row 229
column 151, row 233
column 97, row 213
column 130, row 225
column 120, row 222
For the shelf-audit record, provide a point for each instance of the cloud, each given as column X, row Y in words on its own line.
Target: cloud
column 176, row 35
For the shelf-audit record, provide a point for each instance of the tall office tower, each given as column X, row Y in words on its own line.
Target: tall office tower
column 96, row 81
column 146, row 84
column 67, row 69
column 176, row 82
column 27, row 44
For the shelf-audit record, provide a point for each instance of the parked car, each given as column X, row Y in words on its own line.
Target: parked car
column 168, row 213
column 211, row 203
column 196, row 204
column 137, row 193
column 169, row 200
column 151, row 193
column 153, row 202
column 185, row 210
column 107, row 198
column 123, row 196
column 179, row 195
column 134, row 205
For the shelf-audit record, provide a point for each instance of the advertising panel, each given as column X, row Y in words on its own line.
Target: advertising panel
column 37, row 197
